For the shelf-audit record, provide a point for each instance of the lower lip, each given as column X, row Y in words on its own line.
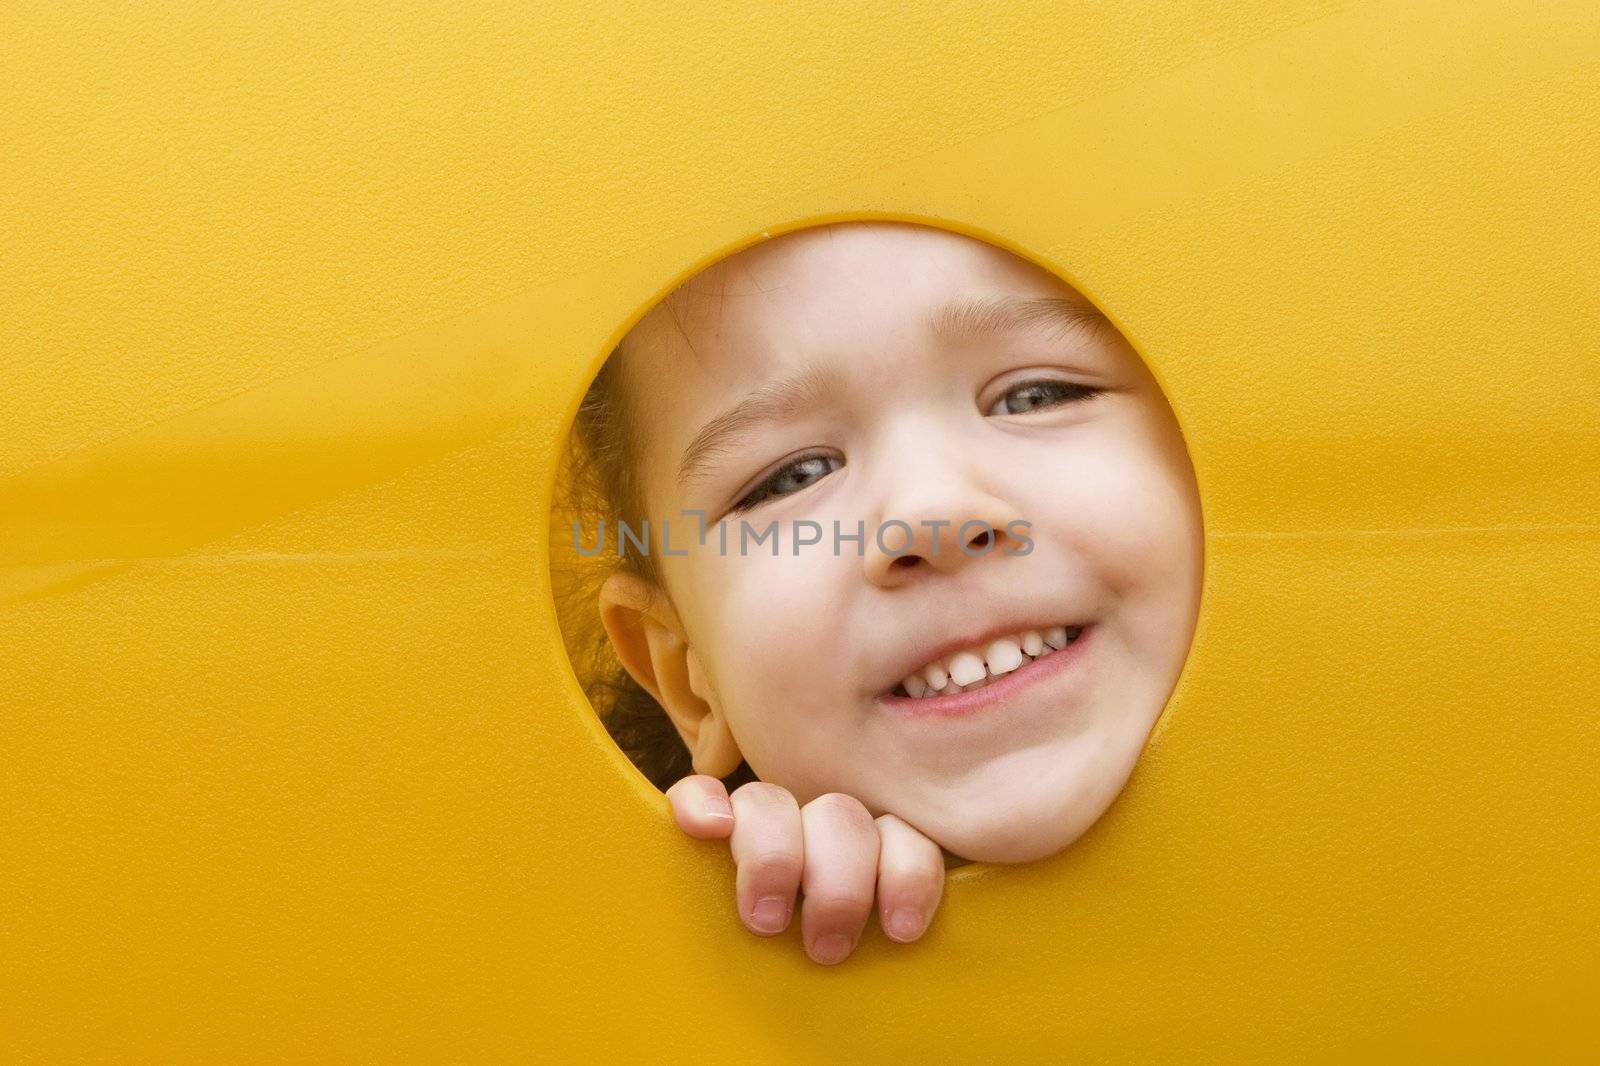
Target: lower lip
column 1008, row 685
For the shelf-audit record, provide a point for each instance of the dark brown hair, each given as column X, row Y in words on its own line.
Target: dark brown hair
column 601, row 479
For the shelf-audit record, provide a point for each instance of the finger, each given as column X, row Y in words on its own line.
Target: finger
column 841, row 872
column 700, row 804
column 910, row 879
column 767, row 846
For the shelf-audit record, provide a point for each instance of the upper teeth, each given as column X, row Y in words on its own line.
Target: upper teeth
column 972, row 665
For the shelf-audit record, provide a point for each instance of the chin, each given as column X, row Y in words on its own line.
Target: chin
column 1019, row 832
column 1004, row 848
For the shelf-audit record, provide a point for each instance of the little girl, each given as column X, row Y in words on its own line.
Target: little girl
column 923, row 565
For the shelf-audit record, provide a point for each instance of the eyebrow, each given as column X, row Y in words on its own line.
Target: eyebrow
column 979, row 316
column 965, row 318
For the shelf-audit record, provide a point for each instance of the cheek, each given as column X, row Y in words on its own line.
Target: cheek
column 773, row 621
column 1130, row 516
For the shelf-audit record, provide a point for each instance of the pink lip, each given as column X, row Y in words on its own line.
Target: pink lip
column 965, row 703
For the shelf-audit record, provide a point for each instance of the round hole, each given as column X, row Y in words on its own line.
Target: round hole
column 760, row 538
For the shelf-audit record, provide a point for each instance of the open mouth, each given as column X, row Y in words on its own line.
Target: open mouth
column 976, row 668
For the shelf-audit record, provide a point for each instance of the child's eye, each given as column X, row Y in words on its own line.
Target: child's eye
column 1043, row 392
column 1035, row 394
column 791, row 478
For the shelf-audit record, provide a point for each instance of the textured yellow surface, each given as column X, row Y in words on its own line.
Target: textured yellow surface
column 296, row 302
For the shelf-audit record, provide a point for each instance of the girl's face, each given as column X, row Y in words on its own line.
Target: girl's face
column 890, row 373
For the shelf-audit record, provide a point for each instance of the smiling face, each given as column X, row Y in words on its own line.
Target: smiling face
column 904, row 374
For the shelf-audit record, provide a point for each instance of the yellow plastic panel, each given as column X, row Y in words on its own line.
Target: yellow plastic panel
column 298, row 301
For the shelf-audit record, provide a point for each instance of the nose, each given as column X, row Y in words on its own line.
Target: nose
column 939, row 519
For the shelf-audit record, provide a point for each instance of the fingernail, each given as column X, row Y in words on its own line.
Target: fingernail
column 906, row 924
column 771, row 914
column 830, row 949
column 718, row 808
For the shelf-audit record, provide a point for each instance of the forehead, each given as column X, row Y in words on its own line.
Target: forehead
column 831, row 286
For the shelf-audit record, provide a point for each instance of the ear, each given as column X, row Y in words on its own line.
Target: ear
column 650, row 641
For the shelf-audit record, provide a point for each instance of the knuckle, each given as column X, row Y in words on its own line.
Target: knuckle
column 901, row 858
column 839, row 906
column 908, row 881
column 888, row 823
column 763, row 792
column 688, row 789
column 911, row 869
column 846, row 809
column 908, row 845
column 774, row 864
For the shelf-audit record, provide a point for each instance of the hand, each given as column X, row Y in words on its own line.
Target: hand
column 831, row 849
